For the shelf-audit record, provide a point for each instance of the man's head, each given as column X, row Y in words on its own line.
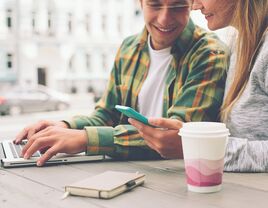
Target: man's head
column 165, row 20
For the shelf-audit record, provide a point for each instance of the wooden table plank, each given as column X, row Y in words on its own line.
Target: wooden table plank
column 48, row 178
column 257, row 181
column 17, row 191
column 237, row 189
column 165, row 186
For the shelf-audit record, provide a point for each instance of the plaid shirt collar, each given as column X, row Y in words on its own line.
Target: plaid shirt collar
column 182, row 43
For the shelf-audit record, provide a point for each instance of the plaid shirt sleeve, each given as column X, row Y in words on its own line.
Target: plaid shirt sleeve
column 198, row 90
column 105, row 134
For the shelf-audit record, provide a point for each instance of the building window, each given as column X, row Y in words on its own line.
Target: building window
column 50, row 23
column 34, row 21
column 137, row 9
column 49, row 20
column 104, row 62
column 71, row 64
column 70, row 22
column 73, row 90
column 9, row 19
column 87, row 23
column 9, row 61
column 137, row 12
column 119, row 24
column 88, row 62
column 104, row 23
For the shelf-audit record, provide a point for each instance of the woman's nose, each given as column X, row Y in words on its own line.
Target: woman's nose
column 197, row 5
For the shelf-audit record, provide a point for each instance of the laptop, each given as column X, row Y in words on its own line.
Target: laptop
column 10, row 156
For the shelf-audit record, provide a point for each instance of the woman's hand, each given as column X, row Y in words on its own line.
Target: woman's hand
column 163, row 138
column 55, row 140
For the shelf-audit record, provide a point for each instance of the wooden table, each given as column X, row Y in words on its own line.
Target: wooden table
column 164, row 187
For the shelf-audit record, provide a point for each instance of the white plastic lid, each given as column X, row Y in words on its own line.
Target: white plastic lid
column 204, row 128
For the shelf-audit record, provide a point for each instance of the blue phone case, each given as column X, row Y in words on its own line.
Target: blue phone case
column 131, row 113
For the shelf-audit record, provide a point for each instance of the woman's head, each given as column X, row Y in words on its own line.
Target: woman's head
column 250, row 18
column 218, row 13
column 237, row 13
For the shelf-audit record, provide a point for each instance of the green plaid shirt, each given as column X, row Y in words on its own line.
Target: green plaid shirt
column 193, row 91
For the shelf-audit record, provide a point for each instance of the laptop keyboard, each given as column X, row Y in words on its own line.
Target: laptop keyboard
column 17, row 148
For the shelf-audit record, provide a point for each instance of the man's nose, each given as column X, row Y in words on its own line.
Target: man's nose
column 165, row 16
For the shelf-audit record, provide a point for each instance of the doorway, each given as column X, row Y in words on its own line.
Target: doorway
column 42, row 76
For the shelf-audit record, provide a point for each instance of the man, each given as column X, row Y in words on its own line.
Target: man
column 173, row 69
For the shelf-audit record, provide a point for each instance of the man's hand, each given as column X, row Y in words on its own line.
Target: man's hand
column 29, row 131
column 55, row 140
column 164, row 138
column 51, row 138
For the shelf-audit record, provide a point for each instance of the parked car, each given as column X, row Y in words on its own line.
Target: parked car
column 20, row 100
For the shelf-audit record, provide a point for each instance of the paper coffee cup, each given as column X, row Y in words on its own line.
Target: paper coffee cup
column 204, row 145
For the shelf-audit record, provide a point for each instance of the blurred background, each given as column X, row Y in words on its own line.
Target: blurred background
column 57, row 54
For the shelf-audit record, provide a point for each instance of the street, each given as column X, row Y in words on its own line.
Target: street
column 10, row 126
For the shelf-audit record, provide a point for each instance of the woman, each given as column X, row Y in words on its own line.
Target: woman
column 245, row 108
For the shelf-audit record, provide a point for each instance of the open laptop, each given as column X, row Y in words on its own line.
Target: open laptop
column 10, row 156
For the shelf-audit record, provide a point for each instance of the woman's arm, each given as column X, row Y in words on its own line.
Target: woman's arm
column 243, row 155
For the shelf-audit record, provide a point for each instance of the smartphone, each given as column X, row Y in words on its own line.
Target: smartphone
column 131, row 113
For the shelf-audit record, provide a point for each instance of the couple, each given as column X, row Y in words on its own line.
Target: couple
column 175, row 72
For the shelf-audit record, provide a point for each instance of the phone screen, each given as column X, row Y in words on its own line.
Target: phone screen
column 131, row 113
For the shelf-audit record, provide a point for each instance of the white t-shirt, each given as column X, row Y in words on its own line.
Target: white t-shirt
column 150, row 98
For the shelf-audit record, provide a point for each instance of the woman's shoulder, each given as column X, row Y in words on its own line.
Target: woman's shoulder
column 264, row 50
column 265, row 42
column 263, row 61
column 265, row 37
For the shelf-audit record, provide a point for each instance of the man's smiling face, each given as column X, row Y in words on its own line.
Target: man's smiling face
column 165, row 20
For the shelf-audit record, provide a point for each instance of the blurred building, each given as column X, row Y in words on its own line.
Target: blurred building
column 64, row 44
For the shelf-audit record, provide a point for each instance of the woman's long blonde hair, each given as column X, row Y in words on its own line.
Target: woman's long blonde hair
column 251, row 20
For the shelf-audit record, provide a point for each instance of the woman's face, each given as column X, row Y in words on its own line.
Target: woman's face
column 217, row 12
